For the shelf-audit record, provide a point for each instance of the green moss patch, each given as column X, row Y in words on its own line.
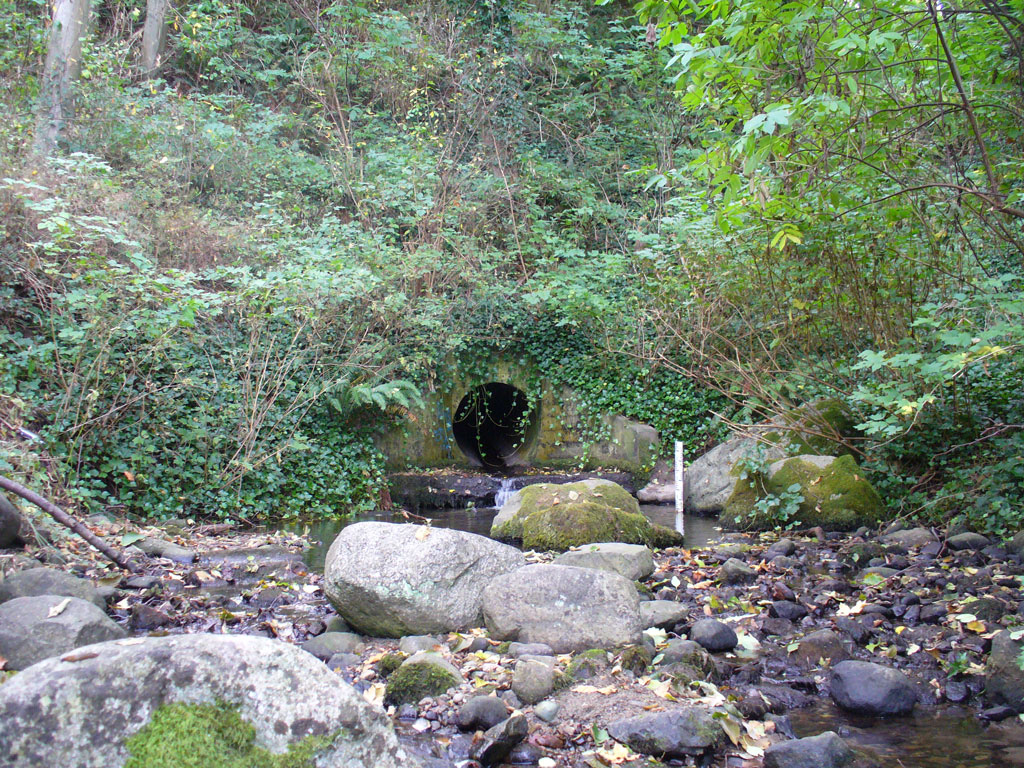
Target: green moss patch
column 412, row 682
column 837, row 497
column 211, row 736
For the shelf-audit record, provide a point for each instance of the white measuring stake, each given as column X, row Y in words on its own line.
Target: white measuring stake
column 680, row 488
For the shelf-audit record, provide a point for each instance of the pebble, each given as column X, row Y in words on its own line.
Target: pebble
column 547, row 710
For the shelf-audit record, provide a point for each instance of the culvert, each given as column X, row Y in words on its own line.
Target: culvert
column 495, row 425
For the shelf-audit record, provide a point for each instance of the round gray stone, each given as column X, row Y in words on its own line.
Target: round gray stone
column 390, row 580
column 29, row 634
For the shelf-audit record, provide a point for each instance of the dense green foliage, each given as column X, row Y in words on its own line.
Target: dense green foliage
column 229, row 278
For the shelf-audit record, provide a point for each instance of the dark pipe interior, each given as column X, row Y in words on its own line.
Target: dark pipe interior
column 494, row 424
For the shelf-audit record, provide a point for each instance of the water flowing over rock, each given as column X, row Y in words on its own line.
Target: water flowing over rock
column 80, row 713
column 569, row 609
column 391, row 580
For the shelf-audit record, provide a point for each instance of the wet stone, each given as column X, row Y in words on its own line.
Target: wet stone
column 329, row 643
column 499, row 741
column 411, row 644
column 785, row 609
column 735, row 571
column 482, row 712
column 713, row 635
column 826, row 750
column 967, row 541
column 865, row 688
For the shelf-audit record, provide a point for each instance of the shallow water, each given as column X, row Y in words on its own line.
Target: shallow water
column 951, row 737
column 697, row 530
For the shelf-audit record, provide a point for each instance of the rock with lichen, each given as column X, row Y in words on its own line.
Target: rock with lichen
column 390, row 580
column 36, row 628
column 836, row 495
column 84, row 711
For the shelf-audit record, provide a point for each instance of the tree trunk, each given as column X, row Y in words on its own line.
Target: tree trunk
column 154, row 35
column 63, row 65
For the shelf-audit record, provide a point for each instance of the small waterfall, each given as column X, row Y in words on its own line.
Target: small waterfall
column 508, row 487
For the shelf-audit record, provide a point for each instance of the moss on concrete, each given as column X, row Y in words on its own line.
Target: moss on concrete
column 211, row 736
column 836, row 497
column 412, row 682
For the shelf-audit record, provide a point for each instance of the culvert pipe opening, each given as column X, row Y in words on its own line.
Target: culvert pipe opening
column 494, row 425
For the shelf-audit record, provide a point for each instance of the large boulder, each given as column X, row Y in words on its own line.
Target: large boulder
column 836, row 495
column 10, row 522
column 81, row 713
column 547, row 516
column 1004, row 679
column 661, row 485
column 49, row 581
column 815, row 428
column 390, row 580
column 36, row 628
column 567, row 608
column 865, row 688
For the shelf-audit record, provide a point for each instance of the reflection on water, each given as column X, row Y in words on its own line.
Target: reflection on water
column 698, row 530
column 941, row 738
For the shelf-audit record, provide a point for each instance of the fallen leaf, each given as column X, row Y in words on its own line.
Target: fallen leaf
column 131, row 641
column 79, row 656
column 423, row 532
column 58, row 609
column 573, row 495
column 606, row 691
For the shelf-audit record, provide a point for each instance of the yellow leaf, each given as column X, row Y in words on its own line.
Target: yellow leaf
column 573, row 495
column 423, row 532
column 58, row 609
column 977, row 626
column 609, row 689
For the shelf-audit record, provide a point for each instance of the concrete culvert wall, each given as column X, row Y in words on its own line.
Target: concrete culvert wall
column 494, row 425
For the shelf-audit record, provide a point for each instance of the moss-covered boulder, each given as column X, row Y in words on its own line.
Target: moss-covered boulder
column 423, row 675
column 188, row 697
column 556, row 517
column 818, row 428
column 836, row 495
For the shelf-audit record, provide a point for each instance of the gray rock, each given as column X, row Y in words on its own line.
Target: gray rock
column 166, row 549
column 500, row 740
column 28, row 633
column 662, row 613
column 735, row 571
column 879, row 570
column 713, row 635
column 568, row 609
column 787, row 609
column 411, row 644
column 142, row 582
column 634, row 561
column 821, row 647
column 10, row 522
column 908, row 539
column 871, row 689
column 547, row 711
column 482, row 712
column 1016, row 544
column 393, row 580
column 49, row 581
column 676, row 733
column 515, row 650
column 709, row 480
column 80, row 713
column 329, row 643
column 533, row 680
column 1004, row 679
column 661, row 488
column 826, row 750
column 968, row 540
column 341, row 661
column 783, row 547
